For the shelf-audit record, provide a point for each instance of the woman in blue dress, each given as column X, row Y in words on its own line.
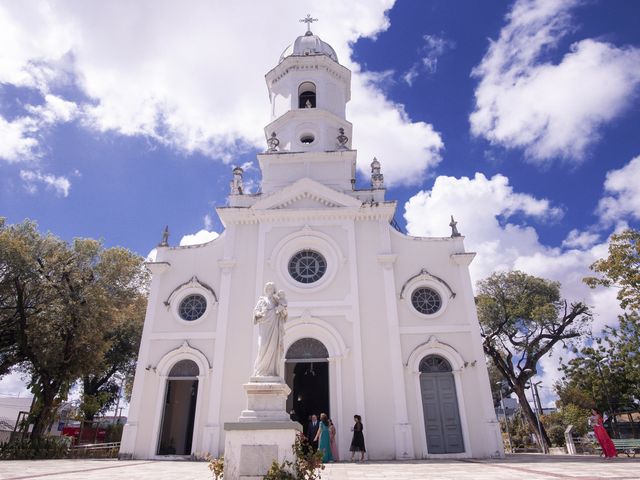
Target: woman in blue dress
column 323, row 438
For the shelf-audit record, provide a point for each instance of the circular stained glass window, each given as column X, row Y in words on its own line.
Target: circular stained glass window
column 426, row 300
column 192, row 307
column 307, row 266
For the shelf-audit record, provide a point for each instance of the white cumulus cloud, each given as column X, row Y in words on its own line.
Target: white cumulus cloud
column 16, row 141
column 482, row 206
column 202, row 236
column 580, row 239
column 193, row 78
column 551, row 110
column 490, row 215
column 20, row 138
column 32, row 178
column 622, row 197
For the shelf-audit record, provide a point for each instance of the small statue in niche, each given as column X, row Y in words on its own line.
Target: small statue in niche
column 237, row 186
column 273, row 143
column 308, row 104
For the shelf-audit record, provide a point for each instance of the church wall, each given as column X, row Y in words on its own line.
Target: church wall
column 328, row 238
column 380, row 409
column 240, row 329
column 456, row 327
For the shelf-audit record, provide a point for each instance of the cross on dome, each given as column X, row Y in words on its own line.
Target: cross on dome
column 308, row 20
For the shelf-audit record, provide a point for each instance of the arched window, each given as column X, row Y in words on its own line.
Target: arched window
column 307, row 348
column 184, row 368
column 434, row 364
column 307, row 95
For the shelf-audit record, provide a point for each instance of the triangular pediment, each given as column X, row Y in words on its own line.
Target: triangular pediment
column 306, row 194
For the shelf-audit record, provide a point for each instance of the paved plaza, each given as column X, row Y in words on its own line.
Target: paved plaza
column 519, row 467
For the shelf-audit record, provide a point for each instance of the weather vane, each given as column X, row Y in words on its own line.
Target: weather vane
column 308, row 20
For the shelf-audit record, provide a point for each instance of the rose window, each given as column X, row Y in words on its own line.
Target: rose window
column 307, row 266
column 426, row 300
column 192, row 307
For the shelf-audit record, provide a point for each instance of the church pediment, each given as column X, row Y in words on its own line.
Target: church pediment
column 306, row 194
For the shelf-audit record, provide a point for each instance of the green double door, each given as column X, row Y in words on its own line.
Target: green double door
column 441, row 414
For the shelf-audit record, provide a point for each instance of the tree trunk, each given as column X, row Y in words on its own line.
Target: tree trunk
column 531, row 416
column 45, row 406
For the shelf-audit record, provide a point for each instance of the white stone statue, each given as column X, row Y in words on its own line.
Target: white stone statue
column 269, row 315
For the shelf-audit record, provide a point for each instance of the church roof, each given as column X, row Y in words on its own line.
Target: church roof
column 309, row 44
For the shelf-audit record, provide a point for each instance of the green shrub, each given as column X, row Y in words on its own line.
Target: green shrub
column 26, row 449
column 556, row 435
column 114, row 433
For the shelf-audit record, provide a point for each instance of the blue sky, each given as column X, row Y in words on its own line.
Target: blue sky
column 519, row 118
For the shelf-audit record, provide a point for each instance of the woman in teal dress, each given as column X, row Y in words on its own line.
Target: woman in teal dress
column 323, row 438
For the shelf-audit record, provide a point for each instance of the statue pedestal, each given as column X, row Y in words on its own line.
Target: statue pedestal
column 250, row 448
column 266, row 400
column 263, row 432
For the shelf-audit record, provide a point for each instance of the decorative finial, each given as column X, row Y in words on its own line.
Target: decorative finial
column 237, row 186
column 165, row 237
column 342, row 139
column 273, row 143
column 454, row 228
column 308, row 20
column 377, row 179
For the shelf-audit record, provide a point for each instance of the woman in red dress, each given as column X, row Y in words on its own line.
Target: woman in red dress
column 596, row 421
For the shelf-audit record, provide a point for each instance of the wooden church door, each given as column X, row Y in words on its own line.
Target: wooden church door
column 440, row 405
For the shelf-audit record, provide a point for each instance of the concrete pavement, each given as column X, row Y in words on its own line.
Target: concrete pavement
column 514, row 467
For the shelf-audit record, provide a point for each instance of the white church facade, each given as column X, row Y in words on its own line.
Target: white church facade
column 380, row 324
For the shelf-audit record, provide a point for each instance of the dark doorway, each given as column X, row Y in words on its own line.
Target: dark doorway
column 181, row 396
column 440, row 406
column 307, row 374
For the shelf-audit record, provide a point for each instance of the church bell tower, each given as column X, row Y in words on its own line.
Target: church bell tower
column 309, row 135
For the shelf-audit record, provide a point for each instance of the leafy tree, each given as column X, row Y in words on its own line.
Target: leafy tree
column 521, row 319
column 605, row 374
column 101, row 387
column 621, row 269
column 57, row 300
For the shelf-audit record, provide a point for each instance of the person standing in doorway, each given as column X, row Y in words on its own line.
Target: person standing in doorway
column 596, row 421
column 312, row 431
column 357, row 442
column 332, row 441
column 323, row 439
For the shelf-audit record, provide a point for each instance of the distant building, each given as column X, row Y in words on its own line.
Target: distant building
column 380, row 324
column 10, row 408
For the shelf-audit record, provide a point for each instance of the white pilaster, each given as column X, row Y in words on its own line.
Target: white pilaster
column 212, row 429
column 402, row 428
column 355, row 317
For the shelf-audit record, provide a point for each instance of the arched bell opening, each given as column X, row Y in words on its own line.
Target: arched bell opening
column 307, row 95
column 307, row 374
column 442, row 424
column 179, row 409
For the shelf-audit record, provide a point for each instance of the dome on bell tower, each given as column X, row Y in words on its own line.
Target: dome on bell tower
column 309, row 44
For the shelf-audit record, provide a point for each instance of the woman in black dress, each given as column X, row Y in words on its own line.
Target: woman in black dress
column 357, row 443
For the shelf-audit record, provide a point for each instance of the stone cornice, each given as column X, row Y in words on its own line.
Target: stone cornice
column 247, row 215
column 311, row 62
column 303, row 115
